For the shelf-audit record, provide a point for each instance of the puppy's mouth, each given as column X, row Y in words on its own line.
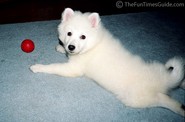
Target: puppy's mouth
column 72, row 52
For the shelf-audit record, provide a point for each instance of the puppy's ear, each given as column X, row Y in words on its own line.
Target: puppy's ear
column 94, row 19
column 67, row 14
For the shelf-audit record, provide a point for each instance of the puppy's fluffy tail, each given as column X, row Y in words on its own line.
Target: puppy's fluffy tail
column 175, row 67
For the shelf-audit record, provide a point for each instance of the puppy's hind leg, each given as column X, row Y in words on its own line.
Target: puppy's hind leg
column 163, row 100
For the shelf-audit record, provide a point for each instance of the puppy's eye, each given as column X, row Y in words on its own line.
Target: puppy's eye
column 82, row 37
column 69, row 34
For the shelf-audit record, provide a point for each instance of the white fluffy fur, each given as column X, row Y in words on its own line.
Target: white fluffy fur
column 102, row 58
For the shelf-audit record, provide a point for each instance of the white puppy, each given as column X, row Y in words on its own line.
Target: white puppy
column 95, row 53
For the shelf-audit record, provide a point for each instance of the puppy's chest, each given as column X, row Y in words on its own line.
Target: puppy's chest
column 101, row 67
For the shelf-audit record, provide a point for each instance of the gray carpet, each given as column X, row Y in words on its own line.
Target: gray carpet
column 29, row 97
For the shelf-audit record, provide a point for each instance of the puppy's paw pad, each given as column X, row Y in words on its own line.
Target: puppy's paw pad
column 36, row 68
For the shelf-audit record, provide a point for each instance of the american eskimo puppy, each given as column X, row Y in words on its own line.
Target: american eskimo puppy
column 95, row 53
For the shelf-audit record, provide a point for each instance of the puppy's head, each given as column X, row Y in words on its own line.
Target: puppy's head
column 78, row 32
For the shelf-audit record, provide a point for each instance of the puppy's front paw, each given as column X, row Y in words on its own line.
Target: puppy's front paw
column 37, row 68
column 60, row 49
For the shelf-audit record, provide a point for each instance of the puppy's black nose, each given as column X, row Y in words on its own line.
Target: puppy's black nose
column 71, row 47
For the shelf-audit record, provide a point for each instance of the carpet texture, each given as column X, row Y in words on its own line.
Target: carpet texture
column 29, row 97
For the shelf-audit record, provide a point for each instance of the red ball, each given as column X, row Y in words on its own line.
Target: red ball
column 27, row 46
